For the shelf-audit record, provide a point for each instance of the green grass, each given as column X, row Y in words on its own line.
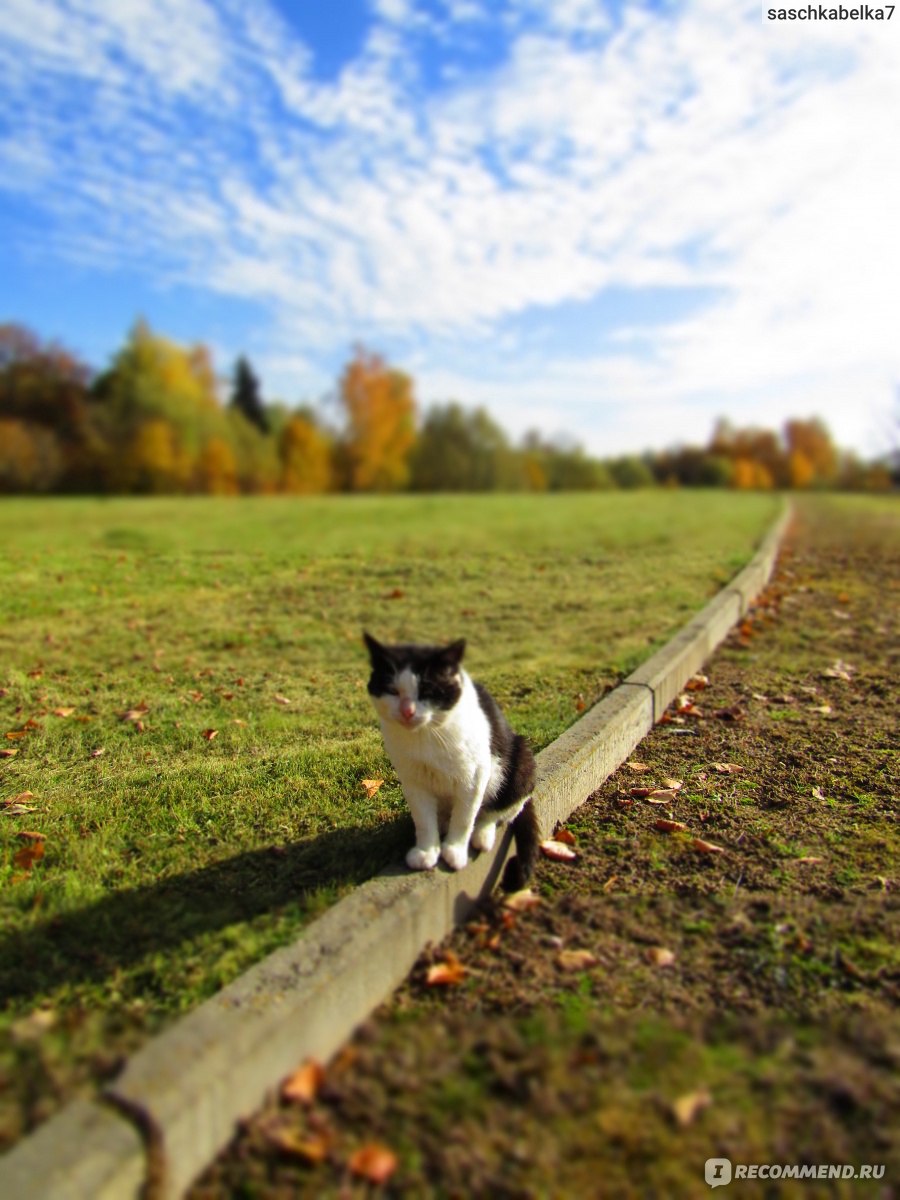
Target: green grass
column 172, row 861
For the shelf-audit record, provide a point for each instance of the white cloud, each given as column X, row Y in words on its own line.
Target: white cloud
column 688, row 148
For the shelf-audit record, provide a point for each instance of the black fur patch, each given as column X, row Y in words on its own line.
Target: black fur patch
column 436, row 668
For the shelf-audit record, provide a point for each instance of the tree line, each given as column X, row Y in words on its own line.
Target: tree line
column 159, row 421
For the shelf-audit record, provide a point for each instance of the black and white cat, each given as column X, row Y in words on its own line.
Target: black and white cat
column 463, row 770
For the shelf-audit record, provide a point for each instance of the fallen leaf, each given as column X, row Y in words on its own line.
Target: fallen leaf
column 558, row 851
column 706, row 847
column 659, row 956
column 637, row 766
column 640, row 793
column 674, row 785
column 209, row 734
column 373, row 1162
column 821, row 708
column 311, row 1148
column 818, row 794
column 282, row 700
column 697, row 683
column 371, row 786
column 31, row 852
column 303, row 1086
column 670, row 826
column 97, row 753
column 808, row 858
column 8, row 753
column 63, row 712
column 565, row 835
column 15, row 734
column 521, row 901
column 610, row 883
column 687, row 1107
column 447, row 973
column 576, row 960
column 135, row 714
column 661, row 795
column 196, row 696
column 727, row 768
column 580, row 705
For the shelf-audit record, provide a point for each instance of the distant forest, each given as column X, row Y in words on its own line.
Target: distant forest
column 160, row 421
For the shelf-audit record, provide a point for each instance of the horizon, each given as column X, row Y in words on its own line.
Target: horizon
column 617, row 223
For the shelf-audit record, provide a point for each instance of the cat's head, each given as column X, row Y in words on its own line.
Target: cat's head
column 414, row 685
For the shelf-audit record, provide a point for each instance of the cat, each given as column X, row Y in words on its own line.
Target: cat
column 463, row 770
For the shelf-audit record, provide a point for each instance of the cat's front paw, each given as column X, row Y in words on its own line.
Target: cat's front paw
column 484, row 838
column 454, row 855
column 422, row 860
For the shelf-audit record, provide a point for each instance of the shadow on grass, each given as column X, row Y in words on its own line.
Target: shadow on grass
column 92, row 944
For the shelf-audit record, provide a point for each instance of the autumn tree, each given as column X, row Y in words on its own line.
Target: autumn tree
column 379, row 411
column 561, row 464
column 162, row 411
column 245, row 395
column 44, row 406
column 306, row 455
column 812, row 456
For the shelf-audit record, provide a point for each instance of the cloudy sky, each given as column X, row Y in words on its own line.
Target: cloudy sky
column 614, row 220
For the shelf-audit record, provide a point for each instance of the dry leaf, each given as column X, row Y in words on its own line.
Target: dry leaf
column 558, row 851
column 521, row 901
column 687, row 1107
column 661, row 795
column 209, row 734
column 697, row 683
column 135, row 714
column 637, row 766
column 97, row 753
column 15, row 734
column 640, row 792
column 311, row 1148
column 303, row 1086
column 821, row 708
column 63, row 712
column 659, row 956
column 674, row 785
column 447, row 973
column 373, row 1162
column 818, row 794
column 727, row 768
column 31, row 852
column 371, row 786
column 706, row 847
column 8, row 753
column 565, row 835
column 576, row 960
column 282, row 700
column 396, row 594
column 610, row 883
column 808, row 858
column 670, row 826
column 580, row 705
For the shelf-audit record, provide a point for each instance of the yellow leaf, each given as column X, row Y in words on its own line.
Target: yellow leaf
column 447, row 973
column 303, row 1086
column 686, row 1108
column 371, row 786
column 373, row 1162
column 576, row 960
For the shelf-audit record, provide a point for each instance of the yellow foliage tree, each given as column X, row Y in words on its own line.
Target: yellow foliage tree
column 154, row 460
column 380, row 410
column 217, row 472
column 801, row 470
column 305, row 457
column 751, row 475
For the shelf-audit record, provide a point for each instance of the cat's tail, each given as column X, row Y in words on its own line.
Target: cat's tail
column 527, row 834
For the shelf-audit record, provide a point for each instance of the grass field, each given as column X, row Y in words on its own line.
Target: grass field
column 173, row 859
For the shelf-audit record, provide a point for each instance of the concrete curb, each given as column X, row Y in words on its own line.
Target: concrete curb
column 176, row 1102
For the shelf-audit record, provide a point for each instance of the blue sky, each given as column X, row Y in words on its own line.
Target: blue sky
column 617, row 221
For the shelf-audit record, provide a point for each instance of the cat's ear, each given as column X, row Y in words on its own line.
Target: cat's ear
column 452, row 655
column 377, row 652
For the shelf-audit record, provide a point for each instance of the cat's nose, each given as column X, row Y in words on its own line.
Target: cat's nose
column 407, row 709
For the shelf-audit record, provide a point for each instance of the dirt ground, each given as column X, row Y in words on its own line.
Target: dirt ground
column 736, row 1003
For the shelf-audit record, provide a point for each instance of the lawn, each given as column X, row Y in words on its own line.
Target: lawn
column 183, row 684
